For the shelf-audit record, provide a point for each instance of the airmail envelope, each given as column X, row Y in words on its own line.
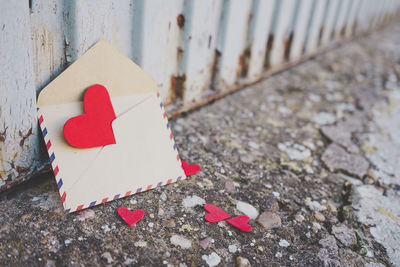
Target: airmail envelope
column 144, row 155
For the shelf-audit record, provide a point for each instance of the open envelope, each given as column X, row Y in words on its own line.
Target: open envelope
column 144, row 156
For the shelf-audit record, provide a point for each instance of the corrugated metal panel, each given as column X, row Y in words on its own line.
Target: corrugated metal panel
column 196, row 50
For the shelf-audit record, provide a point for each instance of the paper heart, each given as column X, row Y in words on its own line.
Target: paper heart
column 190, row 169
column 240, row 222
column 94, row 128
column 215, row 214
column 130, row 217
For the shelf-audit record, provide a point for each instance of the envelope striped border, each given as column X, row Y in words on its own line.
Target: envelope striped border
column 59, row 181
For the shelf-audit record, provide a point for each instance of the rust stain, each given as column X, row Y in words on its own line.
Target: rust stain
column 270, row 44
column 3, row 135
column 21, row 169
column 177, row 86
column 24, row 137
column 244, row 61
column 321, row 32
column 287, row 45
column 181, row 21
column 179, row 54
column 343, row 30
column 215, row 69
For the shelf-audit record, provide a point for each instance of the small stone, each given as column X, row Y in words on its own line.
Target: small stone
column 278, row 255
column 191, row 202
column 295, row 151
column 283, row 243
column 205, row 242
column 324, row 118
column 230, row 186
column 140, row 244
column 316, row 227
column 269, row 220
column 299, row 217
column 163, row 197
column 314, row 205
column 181, row 241
column 232, row 248
column 337, row 159
column 169, row 223
column 212, row 260
column 345, row 235
column 107, row 256
column 276, row 194
column 247, row 209
column 269, row 203
column 319, row 217
column 86, row 214
column 242, row 262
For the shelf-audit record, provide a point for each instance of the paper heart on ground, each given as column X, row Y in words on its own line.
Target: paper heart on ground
column 94, row 128
column 215, row 214
column 130, row 217
column 190, row 169
column 240, row 222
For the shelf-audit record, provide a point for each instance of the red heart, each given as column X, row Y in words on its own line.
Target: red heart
column 241, row 223
column 215, row 214
column 130, row 217
column 94, row 128
column 190, row 169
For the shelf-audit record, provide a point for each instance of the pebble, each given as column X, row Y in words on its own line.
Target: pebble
column 212, row 260
column 345, row 235
column 242, row 262
column 316, row 227
column 283, row 243
column 232, row 248
column 169, row 223
column 278, row 255
column 319, row 217
column 247, row 209
column 276, row 194
column 140, row 244
column 86, row 214
column 230, row 186
column 314, row 205
column 295, row 151
column 163, row 197
column 193, row 201
column 181, row 241
column 107, row 256
column 299, row 217
column 324, row 118
column 269, row 220
column 205, row 242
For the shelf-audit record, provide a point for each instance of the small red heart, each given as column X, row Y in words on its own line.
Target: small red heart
column 190, row 169
column 130, row 217
column 94, row 128
column 240, row 222
column 215, row 214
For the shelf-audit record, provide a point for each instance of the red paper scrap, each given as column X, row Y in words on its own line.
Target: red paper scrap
column 130, row 217
column 240, row 222
column 190, row 169
column 215, row 214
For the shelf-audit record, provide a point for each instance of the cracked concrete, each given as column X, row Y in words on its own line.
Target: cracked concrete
column 263, row 146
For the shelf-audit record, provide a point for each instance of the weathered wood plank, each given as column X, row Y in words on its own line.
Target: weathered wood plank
column 160, row 32
column 19, row 149
column 263, row 16
column 231, row 42
column 198, row 47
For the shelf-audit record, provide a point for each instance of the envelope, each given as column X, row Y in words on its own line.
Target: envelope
column 144, row 155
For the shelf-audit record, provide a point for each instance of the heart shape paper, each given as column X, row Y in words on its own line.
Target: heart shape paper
column 240, row 222
column 190, row 169
column 130, row 217
column 94, row 128
column 215, row 214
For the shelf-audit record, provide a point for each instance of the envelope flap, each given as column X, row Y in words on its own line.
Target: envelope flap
column 102, row 64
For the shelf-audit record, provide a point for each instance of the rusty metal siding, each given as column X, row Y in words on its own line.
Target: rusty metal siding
column 196, row 50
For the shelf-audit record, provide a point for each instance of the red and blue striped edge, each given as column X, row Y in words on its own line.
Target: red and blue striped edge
column 59, row 181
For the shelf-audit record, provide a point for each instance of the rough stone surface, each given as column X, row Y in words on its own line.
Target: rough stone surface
column 337, row 159
column 262, row 145
column 344, row 234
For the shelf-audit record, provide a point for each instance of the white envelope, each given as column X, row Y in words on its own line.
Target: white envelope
column 144, row 156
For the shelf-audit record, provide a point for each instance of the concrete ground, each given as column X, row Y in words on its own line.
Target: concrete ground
column 311, row 155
